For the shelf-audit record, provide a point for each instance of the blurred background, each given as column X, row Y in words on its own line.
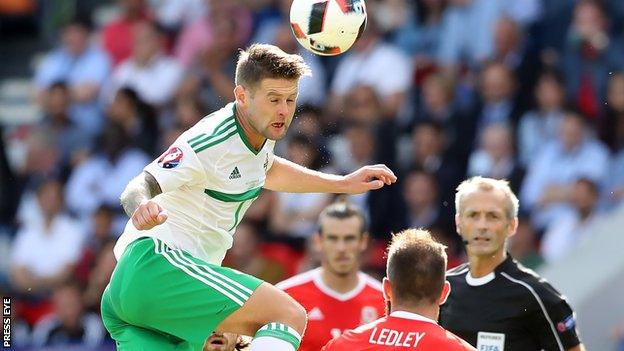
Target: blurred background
column 527, row 90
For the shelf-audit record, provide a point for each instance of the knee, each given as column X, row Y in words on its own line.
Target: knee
column 295, row 315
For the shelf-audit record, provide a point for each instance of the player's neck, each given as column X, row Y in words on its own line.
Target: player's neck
column 340, row 283
column 255, row 139
column 429, row 311
column 483, row 265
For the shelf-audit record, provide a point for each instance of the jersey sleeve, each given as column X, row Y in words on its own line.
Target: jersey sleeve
column 554, row 323
column 177, row 166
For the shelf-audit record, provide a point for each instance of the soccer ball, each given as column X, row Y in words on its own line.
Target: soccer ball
column 327, row 27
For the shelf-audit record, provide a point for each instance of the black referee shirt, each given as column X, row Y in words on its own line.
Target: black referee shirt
column 510, row 309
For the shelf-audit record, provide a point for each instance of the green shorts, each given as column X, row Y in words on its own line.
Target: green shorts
column 164, row 299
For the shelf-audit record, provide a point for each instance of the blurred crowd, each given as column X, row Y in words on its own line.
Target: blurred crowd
column 439, row 90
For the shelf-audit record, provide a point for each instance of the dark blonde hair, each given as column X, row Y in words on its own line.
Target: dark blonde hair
column 416, row 267
column 261, row 61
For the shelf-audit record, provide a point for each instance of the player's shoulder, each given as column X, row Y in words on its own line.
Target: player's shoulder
column 211, row 130
column 453, row 342
column 531, row 283
column 298, row 281
column 371, row 282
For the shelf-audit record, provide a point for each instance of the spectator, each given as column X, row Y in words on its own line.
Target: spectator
column 152, row 74
column 137, row 118
column 45, row 251
column 419, row 34
column 516, row 52
column 423, row 204
column 613, row 193
column 104, row 174
column 524, row 246
column 574, row 154
column 612, row 123
column 437, row 106
column 118, row 35
column 175, row 14
column 373, row 62
column 572, row 229
column 199, row 35
column 99, row 276
column 9, row 191
column 210, row 78
column 589, row 55
column 189, row 111
column 468, row 25
column 99, row 234
column 495, row 156
column 58, row 126
column 427, row 153
column 70, row 325
column 84, row 67
column 499, row 103
column 540, row 126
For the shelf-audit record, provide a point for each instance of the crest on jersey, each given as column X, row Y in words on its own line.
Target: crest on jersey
column 368, row 314
column 171, row 158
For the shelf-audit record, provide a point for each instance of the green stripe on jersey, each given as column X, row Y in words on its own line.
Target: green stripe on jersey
column 208, row 138
column 215, row 141
column 247, row 195
column 215, row 131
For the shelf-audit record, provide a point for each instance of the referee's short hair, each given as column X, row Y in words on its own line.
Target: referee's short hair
column 416, row 267
column 487, row 184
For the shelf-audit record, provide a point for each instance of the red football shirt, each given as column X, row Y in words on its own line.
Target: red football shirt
column 400, row 331
column 330, row 313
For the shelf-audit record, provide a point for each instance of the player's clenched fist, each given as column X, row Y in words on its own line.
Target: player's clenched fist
column 148, row 215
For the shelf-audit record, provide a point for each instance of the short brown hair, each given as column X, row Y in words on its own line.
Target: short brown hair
column 341, row 209
column 261, row 61
column 416, row 267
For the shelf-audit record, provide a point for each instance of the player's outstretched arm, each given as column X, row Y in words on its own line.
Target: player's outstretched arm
column 136, row 201
column 290, row 177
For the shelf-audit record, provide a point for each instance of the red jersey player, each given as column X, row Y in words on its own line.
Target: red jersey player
column 336, row 296
column 415, row 288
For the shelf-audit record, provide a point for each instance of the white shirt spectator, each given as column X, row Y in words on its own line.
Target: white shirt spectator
column 155, row 83
column 97, row 181
column 564, row 234
column 383, row 67
column 46, row 252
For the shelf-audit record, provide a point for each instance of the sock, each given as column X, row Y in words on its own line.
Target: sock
column 276, row 337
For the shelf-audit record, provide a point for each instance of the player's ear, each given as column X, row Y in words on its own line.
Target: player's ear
column 240, row 94
column 387, row 289
column 457, row 224
column 513, row 227
column 316, row 240
column 365, row 240
column 446, row 290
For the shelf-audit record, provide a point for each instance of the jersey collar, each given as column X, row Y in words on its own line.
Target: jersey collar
column 502, row 267
column 320, row 284
column 412, row 316
column 242, row 135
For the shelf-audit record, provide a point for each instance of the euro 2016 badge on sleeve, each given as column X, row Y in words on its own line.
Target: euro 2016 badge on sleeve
column 171, row 158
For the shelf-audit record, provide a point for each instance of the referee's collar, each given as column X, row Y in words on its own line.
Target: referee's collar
column 502, row 267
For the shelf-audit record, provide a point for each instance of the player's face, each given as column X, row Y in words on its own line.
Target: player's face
column 341, row 243
column 483, row 222
column 221, row 342
column 271, row 106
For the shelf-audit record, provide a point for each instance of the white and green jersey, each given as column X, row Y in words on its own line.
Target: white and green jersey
column 209, row 177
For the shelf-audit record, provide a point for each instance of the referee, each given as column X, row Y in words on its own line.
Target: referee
column 495, row 303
